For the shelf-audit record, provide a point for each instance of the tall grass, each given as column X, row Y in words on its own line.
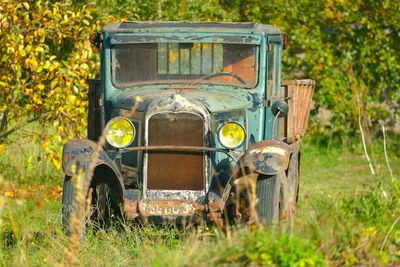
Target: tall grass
column 345, row 216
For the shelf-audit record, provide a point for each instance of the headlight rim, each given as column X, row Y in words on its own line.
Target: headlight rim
column 126, row 119
column 219, row 134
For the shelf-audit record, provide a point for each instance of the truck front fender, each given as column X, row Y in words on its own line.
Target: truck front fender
column 78, row 155
column 267, row 157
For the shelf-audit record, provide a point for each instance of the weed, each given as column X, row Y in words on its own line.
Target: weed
column 344, row 217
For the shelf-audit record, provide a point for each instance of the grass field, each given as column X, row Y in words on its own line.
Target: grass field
column 345, row 216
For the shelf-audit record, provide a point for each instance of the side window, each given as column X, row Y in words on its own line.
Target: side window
column 272, row 79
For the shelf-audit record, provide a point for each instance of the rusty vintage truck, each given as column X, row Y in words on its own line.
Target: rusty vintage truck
column 196, row 125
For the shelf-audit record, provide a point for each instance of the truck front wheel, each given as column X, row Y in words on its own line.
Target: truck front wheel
column 103, row 205
column 272, row 198
column 68, row 199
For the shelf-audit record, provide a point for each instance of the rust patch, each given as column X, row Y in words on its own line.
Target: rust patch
column 216, row 206
column 176, row 148
column 131, row 209
column 267, row 157
column 216, row 217
column 77, row 154
column 175, row 170
column 176, row 207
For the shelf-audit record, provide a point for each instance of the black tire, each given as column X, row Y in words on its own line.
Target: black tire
column 68, row 199
column 103, row 205
column 272, row 198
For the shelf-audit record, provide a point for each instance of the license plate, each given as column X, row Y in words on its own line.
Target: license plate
column 166, row 207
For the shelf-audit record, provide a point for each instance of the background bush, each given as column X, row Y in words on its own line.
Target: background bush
column 350, row 48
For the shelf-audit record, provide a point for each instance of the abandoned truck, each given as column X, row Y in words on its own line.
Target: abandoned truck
column 190, row 120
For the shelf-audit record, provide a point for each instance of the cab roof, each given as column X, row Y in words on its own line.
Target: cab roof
column 130, row 26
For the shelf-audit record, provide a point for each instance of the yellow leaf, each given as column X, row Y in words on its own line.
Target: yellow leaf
column 57, row 162
column 9, row 194
column 41, row 32
column 39, row 49
column 40, row 86
column 26, row 5
column 173, row 56
column 72, row 99
column 10, row 50
column 34, row 63
column 37, row 100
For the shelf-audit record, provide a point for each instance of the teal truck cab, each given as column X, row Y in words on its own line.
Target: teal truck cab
column 190, row 120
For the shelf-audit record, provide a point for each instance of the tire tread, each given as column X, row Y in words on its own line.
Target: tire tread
column 268, row 190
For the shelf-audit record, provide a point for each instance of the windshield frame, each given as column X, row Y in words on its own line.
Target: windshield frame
column 244, row 39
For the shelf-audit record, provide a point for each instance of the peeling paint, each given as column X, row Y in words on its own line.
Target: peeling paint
column 174, row 104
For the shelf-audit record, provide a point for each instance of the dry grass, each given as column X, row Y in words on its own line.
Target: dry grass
column 339, row 215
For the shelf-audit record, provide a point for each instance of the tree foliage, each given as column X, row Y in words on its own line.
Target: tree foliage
column 350, row 48
column 46, row 58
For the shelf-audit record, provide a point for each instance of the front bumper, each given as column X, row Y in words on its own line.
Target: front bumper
column 162, row 207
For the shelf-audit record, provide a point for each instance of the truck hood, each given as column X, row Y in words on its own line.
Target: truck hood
column 213, row 100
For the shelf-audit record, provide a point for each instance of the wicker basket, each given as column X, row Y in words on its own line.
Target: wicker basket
column 299, row 94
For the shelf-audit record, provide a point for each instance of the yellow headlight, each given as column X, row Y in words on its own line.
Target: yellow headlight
column 120, row 132
column 231, row 135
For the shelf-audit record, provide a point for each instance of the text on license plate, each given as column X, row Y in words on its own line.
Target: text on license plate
column 166, row 208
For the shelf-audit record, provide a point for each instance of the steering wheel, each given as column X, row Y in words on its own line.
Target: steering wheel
column 216, row 74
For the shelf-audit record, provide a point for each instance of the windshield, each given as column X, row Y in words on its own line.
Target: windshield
column 215, row 63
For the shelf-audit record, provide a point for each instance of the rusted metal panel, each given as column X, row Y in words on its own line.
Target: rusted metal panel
column 175, row 104
column 176, row 148
column 188, row 37
column 175, row 194
column 135, row 208
column 175, row 170
column 177, row 207
column 77, row 154
column 152, row 26
column 214, row 100
column 131, row 209
column 267, row 157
